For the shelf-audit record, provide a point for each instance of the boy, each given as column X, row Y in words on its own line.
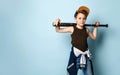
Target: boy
column 80, row 55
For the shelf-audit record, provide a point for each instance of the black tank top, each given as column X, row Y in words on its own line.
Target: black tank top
column 79, row 38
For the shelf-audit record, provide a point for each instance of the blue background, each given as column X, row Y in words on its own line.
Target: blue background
column 29, row 44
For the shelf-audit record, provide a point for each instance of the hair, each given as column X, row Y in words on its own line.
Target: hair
column 82, row 11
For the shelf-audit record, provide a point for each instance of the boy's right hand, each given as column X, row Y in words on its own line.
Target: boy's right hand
column 57, row 22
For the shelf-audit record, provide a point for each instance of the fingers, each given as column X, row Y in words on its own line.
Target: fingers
column 57, row 22
column 97, row 23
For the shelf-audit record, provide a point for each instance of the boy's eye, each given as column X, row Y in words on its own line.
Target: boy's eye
column 83, row 18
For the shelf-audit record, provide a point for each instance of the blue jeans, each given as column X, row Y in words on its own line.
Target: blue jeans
column 72, row 68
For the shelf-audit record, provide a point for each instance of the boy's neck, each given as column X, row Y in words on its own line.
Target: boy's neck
column 80, row 27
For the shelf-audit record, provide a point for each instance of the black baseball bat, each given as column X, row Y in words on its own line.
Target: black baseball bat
column 72, row 24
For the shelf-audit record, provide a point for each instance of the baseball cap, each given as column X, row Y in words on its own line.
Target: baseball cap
column 83, row 8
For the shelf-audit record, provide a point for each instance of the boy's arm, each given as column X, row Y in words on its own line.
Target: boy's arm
column 93, row 34
column 63, row 30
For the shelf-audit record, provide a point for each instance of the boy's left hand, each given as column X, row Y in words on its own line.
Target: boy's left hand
column 97, row 23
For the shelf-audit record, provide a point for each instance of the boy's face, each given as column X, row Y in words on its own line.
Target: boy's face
column 80, row 19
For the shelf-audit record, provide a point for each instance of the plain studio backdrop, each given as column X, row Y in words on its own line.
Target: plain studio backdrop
column 29, row 44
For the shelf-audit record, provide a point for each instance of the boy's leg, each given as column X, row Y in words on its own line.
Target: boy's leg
column 89, row 68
